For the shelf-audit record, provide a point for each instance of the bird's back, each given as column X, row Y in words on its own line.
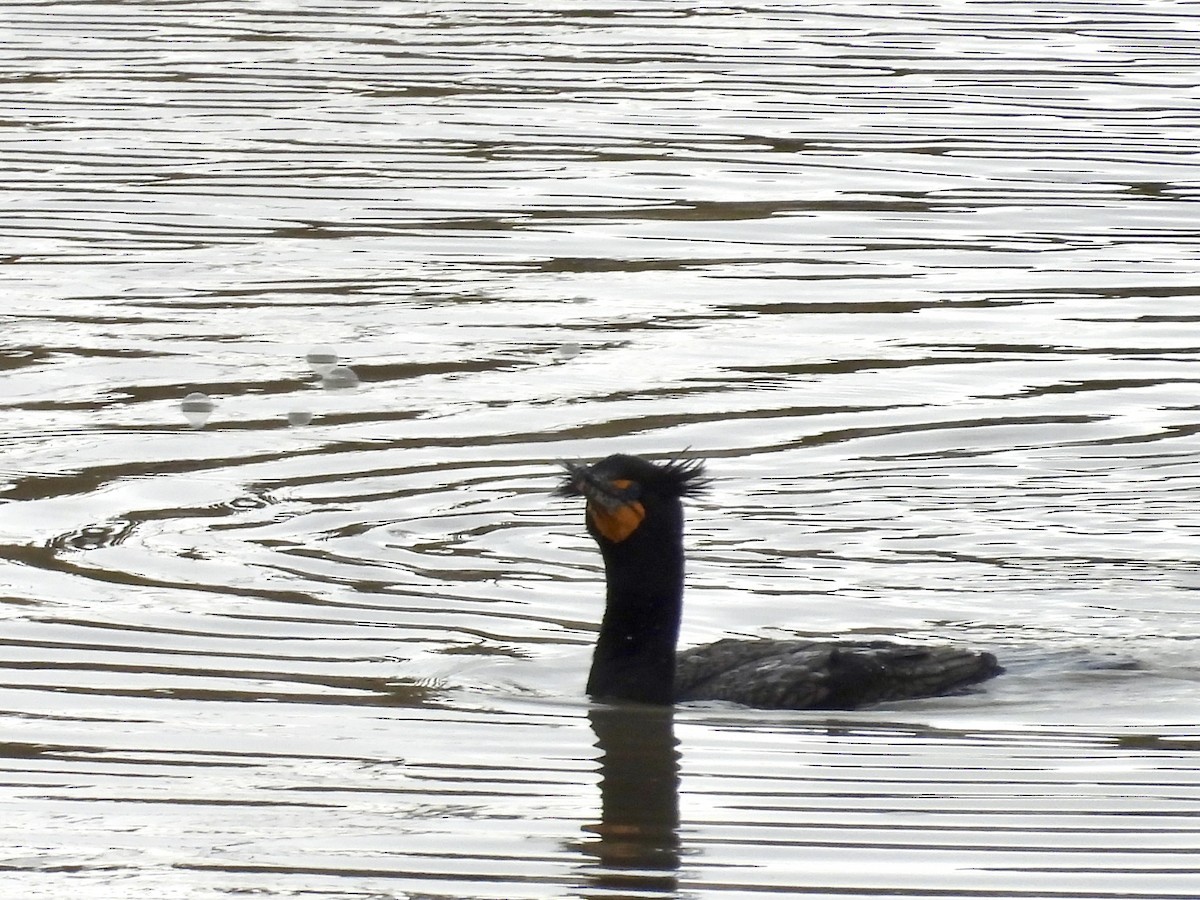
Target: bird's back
column 825, row 674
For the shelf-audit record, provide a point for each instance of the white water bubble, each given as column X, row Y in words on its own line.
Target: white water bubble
column 340, row 378
column 321, row 360
column 196, row 408
column 568, row 351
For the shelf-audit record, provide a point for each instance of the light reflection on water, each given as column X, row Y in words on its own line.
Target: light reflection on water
column 914, row 279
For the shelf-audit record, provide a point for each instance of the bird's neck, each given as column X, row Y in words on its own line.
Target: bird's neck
column 635, row 652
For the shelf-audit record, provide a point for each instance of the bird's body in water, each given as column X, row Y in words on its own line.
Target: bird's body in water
column 635, row 514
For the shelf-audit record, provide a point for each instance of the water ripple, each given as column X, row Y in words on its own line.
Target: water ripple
column 914, row 279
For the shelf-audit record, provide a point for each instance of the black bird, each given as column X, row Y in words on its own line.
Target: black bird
column 635, row 513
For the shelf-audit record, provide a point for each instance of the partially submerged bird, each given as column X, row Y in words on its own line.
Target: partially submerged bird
column 635, row 513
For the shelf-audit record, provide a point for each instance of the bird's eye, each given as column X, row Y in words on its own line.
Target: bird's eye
column 625, row 489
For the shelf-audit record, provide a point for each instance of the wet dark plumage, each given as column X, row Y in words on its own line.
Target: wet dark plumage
column 635, row 514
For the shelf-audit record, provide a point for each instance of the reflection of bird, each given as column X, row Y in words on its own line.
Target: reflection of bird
column 635, row 513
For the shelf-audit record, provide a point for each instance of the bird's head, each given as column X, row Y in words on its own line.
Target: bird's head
column 625, row 494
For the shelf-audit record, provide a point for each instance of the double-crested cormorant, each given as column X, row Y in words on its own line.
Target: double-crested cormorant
column 635, row 513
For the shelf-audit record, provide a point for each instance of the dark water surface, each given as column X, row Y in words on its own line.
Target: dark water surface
column 919, row 280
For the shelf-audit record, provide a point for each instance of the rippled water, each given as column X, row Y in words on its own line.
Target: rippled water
column 918, row 280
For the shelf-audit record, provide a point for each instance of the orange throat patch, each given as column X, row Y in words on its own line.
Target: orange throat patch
column 618, row 523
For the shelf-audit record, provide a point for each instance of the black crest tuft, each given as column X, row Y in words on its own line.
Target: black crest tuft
column 687, row 475
column 673, row 478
